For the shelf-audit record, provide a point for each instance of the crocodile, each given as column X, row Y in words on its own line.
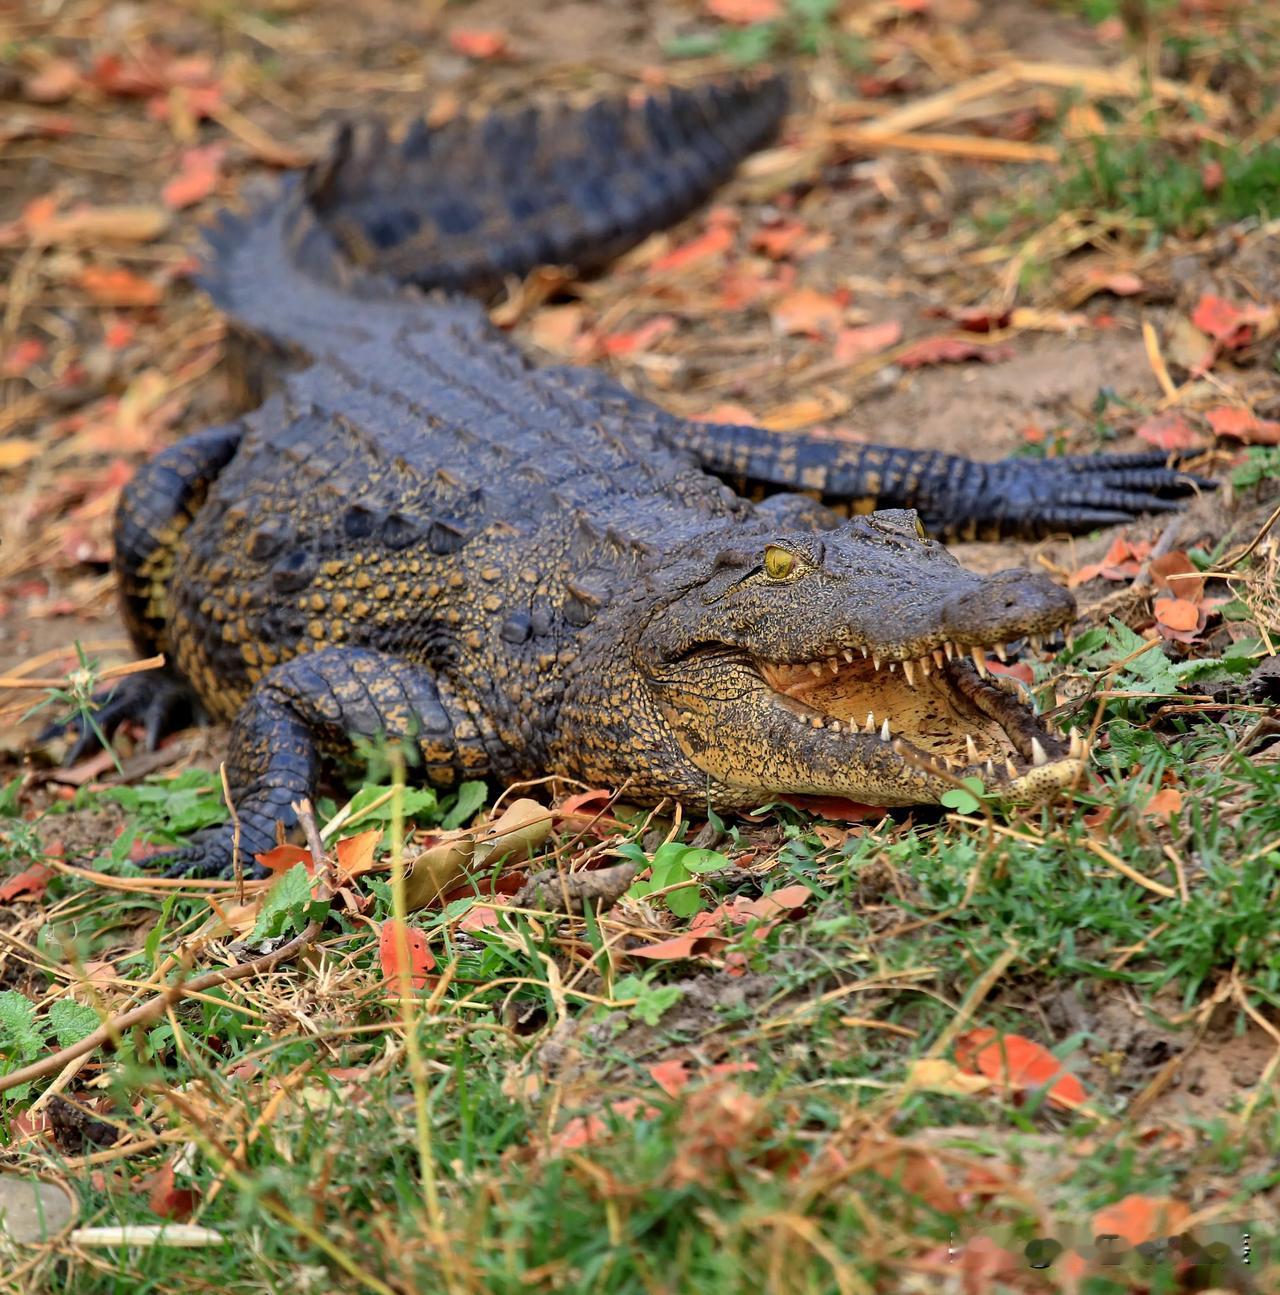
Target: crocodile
column 419, row 536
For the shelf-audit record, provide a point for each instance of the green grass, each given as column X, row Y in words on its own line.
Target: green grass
column 777, row 1177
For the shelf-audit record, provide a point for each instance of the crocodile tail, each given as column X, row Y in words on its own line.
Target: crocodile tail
column 463, row 206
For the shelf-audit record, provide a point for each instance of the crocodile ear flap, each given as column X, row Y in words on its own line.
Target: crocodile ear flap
column 738, row 558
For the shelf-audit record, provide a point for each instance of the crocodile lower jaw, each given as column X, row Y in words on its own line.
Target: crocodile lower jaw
column 942, row 717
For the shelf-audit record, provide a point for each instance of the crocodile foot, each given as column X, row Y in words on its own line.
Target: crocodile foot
column 161, row 705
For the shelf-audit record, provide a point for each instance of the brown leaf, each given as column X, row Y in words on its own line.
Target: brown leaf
column 836, row 808
column 168, row 1200
column 680, row 946
column 1189, row 583
column 1169, row 431
column 807, row 312
column 198, row 173
column 1165, row 803
column 947, row 349
column 1177, row 613
column 1230, row 325
column 854, row 344
column 479, row 42
column 29, row 884
column 355, row 853
column 421, row 961
column 118, row 287
column 56, row 81
column 138, row 223
column 1243, row 425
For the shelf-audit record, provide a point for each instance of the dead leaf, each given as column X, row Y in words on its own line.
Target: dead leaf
column 30, row 884
column 1177, row 613
column 1018, row 1065
column 945, row 348
column 198, row 173
column 1170, row 431
column 55, row 82
column 854, row 344
column 1231, row 326
column 1138, row 1219
column 355, row 853
column 118, row 287
column 1188, row 582
column 942, row 1076
column 807, row 312
column 559, row 328
column 138, row 223
column 670, row 1076
column 585, row 1130
column 1165, row 803
column 168, row 1200
column 743, row 13
column 280, row 858
column 1243, row 425
column 638, row 339
column 680, row 946
column 479, row 42
column 421, row 962
column 836, row 808
column 1212, row 175
column 717, row 239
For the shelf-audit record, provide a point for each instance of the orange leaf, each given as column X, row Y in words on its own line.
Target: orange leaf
column 1019, row 1065
column 836, row 808
column 197, row 177
column 1141, row 1218
column 415, row 942
column 31, row 883
column 670, row 1076
column 1189, row 583
column 807, row 311
column 680, row 946
column 779, row 239
column 717, row 239
column 478, row 42
column 856, row 343
column 1232, row 326
column 1166, row 802
column 167, row 1200
column 945, row 349
column 1177, row 613
column 280, row 858
column 21, row 356
column 1170, row 431
column 118, row 287
column 479, row 917
column 583, row 1130
column 1019, row 670
column 639, row 339
column 744, row 12
column 57, row 80
column 1243, row 425
column 355, row 853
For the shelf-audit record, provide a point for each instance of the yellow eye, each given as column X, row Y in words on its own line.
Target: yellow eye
column 920, row 531
column 777, row 562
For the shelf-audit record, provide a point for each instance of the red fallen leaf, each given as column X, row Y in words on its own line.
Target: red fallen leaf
column 118, row 287
column 744, row 12
column 1177, row 613
column 1243, row 425
column 978, row 319
column 836, row 808
column 479, row 917
column 1137, row 1219
column 639, row 339
column 1166, row 802
column 680, row 946
column 421, row 961
column 280, row 858
column 584, row 1130
column 1019, row 1065
column 856, row 343
column 808, row 312
column 1169, row 431
column 946, row 349
column 780, row 238
column 744, row 286
column 1019, row 670
column 21, row 356
column 1188, row 582
column 717, row 239
column 119, row 333
column 168, row 1200
column 1122, row 561
column 670, row 1076
column 478, row 42
column 355, row 853
column 1231, row 325
column 30, row 883
column 786, row 901
column 198, row 172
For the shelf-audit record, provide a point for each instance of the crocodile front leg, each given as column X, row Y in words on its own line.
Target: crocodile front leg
column 316, row 708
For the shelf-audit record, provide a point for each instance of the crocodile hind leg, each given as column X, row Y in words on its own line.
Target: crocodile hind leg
column 155, row 509
column 316, row 708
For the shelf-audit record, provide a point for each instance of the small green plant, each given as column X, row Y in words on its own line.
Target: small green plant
column 78, row 700
column 675, row 870
column 24, row 1035
column 1262, row 463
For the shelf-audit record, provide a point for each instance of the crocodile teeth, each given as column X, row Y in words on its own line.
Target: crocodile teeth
column 1002, row 651
column 834, row 726
column 871, row 721
column 950, row 648
column 884, row 731
column 938, row 659
column 991, row 769
column 979, row 660
column 893, row 665
column 925, row 666
column 848, row 656
column 1037, row 642
column 970, row 748
column 909, row 670
column 1038, row 755
column 864, row 653
column 1079, row 747
column 1010, row 768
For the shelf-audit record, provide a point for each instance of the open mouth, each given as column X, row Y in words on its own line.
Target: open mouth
column 943, row 715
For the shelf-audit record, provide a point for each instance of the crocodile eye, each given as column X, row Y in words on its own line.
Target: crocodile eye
column 920, row 530
column 778, row 563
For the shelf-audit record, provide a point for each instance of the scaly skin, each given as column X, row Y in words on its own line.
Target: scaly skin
column 420, row 537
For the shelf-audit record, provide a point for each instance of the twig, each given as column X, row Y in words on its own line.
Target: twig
column 111, row 672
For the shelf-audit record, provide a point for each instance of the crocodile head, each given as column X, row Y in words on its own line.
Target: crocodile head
column 854, row 663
